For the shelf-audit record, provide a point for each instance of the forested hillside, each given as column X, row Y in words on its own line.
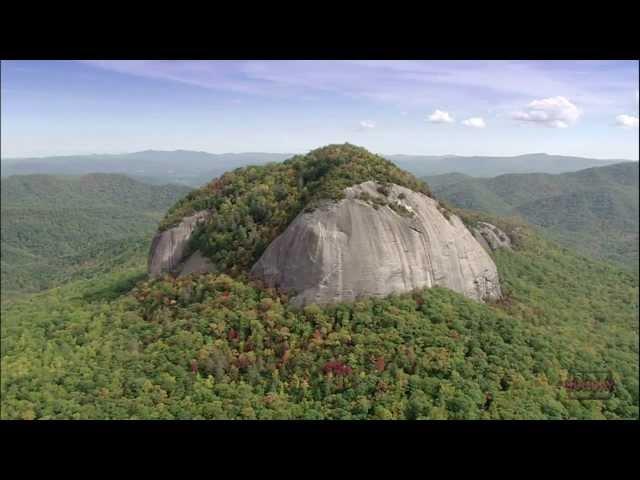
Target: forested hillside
column 593, row 210
column 252, row 205
column 55, row 229
column 213, row 347
column 218, row 346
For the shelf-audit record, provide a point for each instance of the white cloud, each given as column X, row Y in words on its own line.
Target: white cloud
column 556, row 112
column 367, row 124
column 441, row 117
column 475, row 122
column 627, row 121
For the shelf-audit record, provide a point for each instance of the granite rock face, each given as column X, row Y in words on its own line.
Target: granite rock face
column 168, row 247
column 491, row 237
column 354, row 248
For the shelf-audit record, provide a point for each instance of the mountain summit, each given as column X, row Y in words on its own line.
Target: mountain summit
column 336, row 224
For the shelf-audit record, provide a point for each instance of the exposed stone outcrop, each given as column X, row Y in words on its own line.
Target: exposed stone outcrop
column 354, row 248
column 168, row 247
column 491, row 237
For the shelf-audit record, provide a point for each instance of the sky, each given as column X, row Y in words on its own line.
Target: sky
column 579, row 108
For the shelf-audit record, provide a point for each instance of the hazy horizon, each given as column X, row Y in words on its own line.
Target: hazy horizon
column 465, row 108
column 386, row 154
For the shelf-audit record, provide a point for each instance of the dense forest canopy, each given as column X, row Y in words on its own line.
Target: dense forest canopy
column 253, row 205
column 217, row 346
column 213, row 347
column 55, row 229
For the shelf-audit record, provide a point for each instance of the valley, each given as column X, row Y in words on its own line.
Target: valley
column 60, row 228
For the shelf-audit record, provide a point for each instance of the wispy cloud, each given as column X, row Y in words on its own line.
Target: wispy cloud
column 367, row 125
column 219, row 75
column 398, row 82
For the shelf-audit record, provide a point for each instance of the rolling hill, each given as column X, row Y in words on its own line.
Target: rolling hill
column 222, row 346
column 57, row 228
column 593, row 210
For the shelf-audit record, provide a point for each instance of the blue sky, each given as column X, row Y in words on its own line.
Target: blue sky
column 582, row 108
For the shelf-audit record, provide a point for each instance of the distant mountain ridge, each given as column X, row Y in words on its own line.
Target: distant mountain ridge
column 196, row 168
column 490, row 166
column 152, row 166
column 594, row 210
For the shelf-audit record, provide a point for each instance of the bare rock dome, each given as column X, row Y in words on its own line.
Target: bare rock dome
column 379, row 239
